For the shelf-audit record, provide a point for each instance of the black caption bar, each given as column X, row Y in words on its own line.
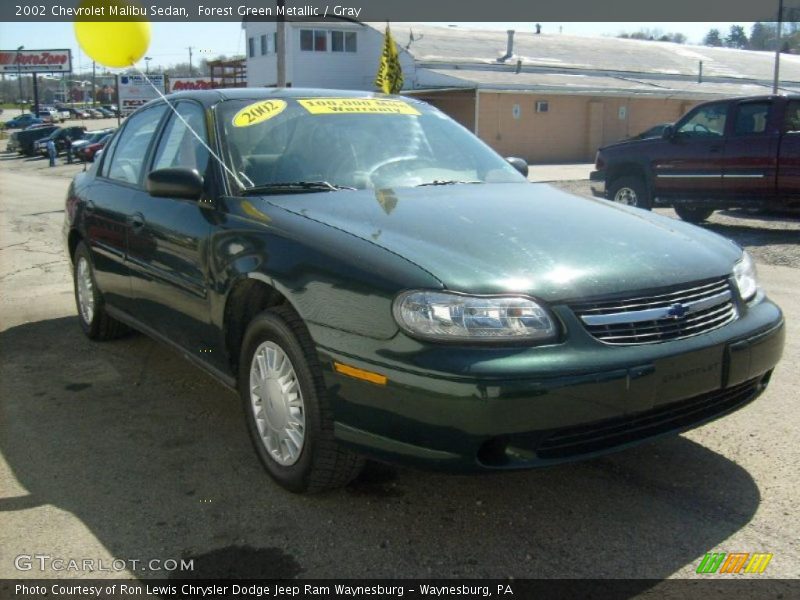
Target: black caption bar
column 369, row 589
column 397, row 10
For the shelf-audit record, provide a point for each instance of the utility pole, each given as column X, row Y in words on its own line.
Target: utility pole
column 191, row 71
column 19, row 80
column 94, row 86
column 280, row 43
column 147, row 60
column 778, row 49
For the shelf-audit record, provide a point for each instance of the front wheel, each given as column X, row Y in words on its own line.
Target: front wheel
column 286, row 406
column 693, row 214
column 631, row 191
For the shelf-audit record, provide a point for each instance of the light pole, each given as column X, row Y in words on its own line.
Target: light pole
column 778, row 48
column 147, row 60
column 19, row 80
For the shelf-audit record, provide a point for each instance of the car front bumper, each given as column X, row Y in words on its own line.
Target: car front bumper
column 490, row 409
column 597, row 181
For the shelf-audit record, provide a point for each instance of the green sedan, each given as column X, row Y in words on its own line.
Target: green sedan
column 375, row 282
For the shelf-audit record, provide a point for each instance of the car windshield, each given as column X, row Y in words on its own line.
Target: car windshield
column 352, row 143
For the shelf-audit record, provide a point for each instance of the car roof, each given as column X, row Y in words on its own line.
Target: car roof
column 210, row 97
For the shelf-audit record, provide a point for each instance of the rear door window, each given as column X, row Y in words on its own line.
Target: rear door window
column 751, row 118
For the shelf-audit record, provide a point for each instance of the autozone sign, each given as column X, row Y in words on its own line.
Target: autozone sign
column 35, row 61
column 181, row 84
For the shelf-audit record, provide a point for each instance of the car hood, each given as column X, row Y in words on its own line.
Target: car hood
column 524, row 238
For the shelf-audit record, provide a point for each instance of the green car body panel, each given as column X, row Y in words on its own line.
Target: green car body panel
column 341, row 258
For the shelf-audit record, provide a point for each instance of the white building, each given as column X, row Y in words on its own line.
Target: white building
column 334, row 54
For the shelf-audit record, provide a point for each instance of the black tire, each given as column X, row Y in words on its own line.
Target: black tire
column 693, row 214
column 101, row 327
column 322, row 463
column 630, row 190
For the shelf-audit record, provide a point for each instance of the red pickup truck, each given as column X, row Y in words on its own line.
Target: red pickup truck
column 733, row 153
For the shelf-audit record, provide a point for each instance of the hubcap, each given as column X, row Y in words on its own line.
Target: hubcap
column 627, row 196
column 277, row 403
column 85, row 290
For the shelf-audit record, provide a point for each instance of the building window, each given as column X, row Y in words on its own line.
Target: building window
column 542, row 106
column 263, row 44
column 343, row 41
column 313, row 40
column 251, row 47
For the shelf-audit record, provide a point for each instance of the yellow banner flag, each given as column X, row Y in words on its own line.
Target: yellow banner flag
column 390, row 76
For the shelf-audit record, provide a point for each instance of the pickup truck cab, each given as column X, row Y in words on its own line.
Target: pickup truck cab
column 732, row 153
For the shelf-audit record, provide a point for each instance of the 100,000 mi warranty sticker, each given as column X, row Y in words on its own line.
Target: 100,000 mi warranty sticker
column 378, row 106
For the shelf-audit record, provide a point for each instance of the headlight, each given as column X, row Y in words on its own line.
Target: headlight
column 445, row 317
column 744, row 272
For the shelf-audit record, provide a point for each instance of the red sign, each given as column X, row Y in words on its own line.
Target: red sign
column 182, row 84
column 35, row 61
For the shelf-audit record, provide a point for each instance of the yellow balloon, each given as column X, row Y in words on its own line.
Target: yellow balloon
column 113, row 43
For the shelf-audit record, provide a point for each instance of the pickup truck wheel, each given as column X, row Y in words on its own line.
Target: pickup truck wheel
column 693, row 214
column 94, row 321
column 288, row 414
column 631, row 191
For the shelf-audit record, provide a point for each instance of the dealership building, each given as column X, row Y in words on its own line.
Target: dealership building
column 545, row 97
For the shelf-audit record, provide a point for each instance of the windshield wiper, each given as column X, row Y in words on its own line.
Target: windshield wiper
column 294, row 186
column 446, row 182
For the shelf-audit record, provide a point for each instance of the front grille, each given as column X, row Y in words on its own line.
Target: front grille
column 669, row 315
column 607, row 434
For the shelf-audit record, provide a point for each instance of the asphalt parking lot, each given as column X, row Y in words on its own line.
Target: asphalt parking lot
column 124, row 450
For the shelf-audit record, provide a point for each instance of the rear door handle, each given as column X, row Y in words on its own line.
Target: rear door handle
column 136, row 221
column 715, row 148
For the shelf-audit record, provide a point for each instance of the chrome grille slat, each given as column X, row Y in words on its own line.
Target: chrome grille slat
column 642, row 328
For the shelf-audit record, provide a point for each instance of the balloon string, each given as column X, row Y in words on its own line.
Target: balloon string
column 189, row 127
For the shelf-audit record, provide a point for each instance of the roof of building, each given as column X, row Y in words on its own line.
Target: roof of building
column 635, row 65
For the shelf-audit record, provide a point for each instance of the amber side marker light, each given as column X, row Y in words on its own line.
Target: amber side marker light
column 360, row 373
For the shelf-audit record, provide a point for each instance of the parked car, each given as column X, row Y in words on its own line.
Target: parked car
column 78, row 113
column 94, row 113
column 734, row 153
column 375, row 280
column 23, row 121
column 107, row 114
column 113, row 108
column 91, row 137
column 59, row 137
column 48, row 116
column 88, row 152
column 27, row 138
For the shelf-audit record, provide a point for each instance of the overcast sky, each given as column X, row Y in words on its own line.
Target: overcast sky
column 171, row 40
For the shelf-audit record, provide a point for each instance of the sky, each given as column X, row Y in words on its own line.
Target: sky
column 170, row 41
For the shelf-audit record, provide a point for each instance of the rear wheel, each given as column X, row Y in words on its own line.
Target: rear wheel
column 693, row 214
column 92, row 316
column 631, row 191
column 286, row 406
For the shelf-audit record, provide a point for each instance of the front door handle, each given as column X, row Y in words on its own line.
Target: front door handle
column 715, row 148
column 136, row 221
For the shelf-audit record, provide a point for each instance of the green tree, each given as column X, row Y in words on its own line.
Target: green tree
column 762, row 36
column 737, row 37
column 713, row 38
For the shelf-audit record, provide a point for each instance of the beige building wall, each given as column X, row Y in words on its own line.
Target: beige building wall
column 510, row 124
column 570, row 131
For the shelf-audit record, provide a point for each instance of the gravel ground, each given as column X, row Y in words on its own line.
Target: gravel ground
column 772, row 238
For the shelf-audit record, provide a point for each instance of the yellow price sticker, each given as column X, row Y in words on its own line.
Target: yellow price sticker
column 258, row 112
column 375, row 106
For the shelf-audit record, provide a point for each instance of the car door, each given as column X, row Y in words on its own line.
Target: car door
column 109, row 204
column 690, row 165
column 788, row 185
column 167, row 246
column 751, row 152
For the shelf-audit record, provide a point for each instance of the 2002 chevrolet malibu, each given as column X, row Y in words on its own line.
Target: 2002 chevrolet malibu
column 375, row 281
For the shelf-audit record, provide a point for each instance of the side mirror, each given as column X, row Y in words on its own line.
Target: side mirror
column 668, row 133
column 519, row 164
column 175, row 182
